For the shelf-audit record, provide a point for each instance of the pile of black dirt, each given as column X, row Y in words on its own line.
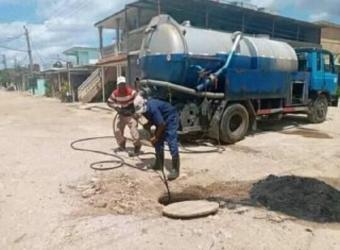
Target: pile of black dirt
column 304, row 198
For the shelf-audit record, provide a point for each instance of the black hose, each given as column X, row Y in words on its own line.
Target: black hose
column 121, row 162
column 117, row 159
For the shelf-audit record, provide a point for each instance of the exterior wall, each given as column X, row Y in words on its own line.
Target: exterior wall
column 330, row 40
column 93, row 56
column 39, row 89
column 83, row 56
column 87, row 57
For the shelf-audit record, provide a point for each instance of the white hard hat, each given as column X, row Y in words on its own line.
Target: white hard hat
column 140, row 104
column 120, row 80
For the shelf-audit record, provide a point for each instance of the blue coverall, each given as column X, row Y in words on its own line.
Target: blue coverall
column 159, row 112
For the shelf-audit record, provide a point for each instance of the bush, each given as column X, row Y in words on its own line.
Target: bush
column 49, row 90
column 65, row 94
column 338, row 92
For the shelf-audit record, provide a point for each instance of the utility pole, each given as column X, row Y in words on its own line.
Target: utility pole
column 4, row 61
column 29, row 50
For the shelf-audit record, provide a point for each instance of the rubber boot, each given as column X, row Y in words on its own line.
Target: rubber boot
column 136, row 151
column 174, row 171
column 159, row 162
column 121, row 147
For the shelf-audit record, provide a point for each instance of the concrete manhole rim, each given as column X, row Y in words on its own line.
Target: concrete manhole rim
column 190, row 209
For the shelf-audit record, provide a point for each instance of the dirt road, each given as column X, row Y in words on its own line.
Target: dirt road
column 51, row 199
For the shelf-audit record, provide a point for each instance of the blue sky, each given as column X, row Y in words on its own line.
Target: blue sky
column 56, row 25
column 25, row 11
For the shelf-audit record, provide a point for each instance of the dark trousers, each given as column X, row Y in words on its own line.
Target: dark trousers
column 170, row 136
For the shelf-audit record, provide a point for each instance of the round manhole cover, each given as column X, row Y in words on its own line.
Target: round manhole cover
column 190, row 209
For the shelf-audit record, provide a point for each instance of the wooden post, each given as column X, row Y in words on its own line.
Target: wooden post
column 100, row 31
column 118, row 35
column 103, row 82
column 69, row 80
column 59, row 82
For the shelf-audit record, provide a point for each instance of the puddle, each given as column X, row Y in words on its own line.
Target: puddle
column 308, row 133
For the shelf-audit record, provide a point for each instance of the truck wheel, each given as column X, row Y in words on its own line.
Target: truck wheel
column 318, row 110
column 234, row 124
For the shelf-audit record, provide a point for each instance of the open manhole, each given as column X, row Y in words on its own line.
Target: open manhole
column 190, row 209
column 187, row 206
column 216, row 195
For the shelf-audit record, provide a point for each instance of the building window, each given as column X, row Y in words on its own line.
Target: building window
column 328, row 62
column 303, row 61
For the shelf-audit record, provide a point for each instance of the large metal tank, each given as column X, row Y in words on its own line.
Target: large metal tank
column 177, row 53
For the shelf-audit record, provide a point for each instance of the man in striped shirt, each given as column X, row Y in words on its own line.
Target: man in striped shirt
column 121, row 100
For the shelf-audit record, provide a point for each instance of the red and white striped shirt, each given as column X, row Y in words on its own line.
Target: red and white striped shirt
column 122, row 97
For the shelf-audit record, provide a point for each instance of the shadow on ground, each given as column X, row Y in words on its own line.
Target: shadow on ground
column 288, row 121
column 291, row 125
column 303, row 198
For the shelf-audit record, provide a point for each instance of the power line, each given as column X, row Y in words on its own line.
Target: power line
column 64, row 8
column 42, row 60
column 10, row 39
column 14, row 49
column 76, row 10
column 23, row 60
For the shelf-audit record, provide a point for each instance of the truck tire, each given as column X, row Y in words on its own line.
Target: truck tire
column 234, row 124
column 318, row 110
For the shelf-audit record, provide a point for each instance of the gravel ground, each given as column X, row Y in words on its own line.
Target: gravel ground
column 51, row 199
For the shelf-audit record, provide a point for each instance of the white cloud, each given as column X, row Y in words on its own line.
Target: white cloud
column 325, row 8
column 319, row 16
column 67, row 23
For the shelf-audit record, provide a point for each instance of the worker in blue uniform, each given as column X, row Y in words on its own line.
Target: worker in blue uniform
column 164, row 116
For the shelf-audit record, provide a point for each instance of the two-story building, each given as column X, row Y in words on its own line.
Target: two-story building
column 128, row 25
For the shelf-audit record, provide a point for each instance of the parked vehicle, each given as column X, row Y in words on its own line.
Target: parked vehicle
column 222, row 82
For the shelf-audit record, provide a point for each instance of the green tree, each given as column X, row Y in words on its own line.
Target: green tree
column 4, row 77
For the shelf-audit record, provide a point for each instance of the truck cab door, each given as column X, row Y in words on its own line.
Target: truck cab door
column 317, row 78
column 330, row 78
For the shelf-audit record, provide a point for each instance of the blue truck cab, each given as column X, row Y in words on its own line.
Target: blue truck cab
column 319, row 64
